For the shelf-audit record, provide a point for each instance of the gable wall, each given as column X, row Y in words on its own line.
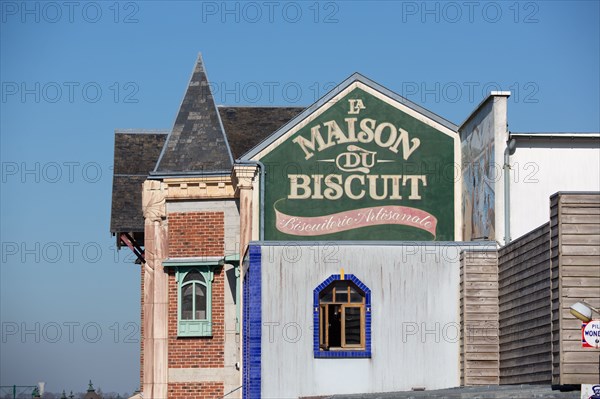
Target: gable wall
column 292, row 176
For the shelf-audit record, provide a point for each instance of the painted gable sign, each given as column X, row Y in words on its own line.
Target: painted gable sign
column 361, row 167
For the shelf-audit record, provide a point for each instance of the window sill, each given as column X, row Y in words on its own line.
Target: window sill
column 342, row 353
column 194, row 329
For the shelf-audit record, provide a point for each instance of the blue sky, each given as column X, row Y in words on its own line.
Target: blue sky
column 73, row 72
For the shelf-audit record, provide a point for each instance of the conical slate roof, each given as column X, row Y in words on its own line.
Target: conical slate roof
column 197, row 143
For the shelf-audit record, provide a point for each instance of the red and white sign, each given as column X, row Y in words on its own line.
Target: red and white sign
column 353, row 219
column 590, row 334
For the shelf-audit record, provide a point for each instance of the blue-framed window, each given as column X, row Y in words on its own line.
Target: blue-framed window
column 194, row 301
column 342, row 318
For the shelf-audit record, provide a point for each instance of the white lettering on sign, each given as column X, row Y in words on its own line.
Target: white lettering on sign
column 384, row 134
column 355, row 187
column 356, row 159
column 355, row 106
column 366, row 143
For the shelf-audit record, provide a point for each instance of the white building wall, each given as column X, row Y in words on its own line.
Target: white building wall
column 415, row 318
column 540, row 168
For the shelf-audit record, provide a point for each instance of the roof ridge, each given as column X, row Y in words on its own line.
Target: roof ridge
column 142, row 131
column 261, row 106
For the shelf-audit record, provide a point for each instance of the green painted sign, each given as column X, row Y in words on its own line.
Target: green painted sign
column 363, row 169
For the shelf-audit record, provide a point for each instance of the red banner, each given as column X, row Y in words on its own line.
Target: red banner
column 354, row 219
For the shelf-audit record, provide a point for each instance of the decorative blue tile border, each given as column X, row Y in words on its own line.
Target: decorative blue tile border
column 318, row 353
column 252, row 325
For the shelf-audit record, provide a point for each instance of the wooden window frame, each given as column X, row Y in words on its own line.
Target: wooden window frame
column 320, row 318
column 324, row 317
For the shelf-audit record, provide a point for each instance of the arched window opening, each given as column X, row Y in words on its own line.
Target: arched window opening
column 194, row 297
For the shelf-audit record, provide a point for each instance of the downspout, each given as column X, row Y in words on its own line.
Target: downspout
column 261, row 195
column 511, row 146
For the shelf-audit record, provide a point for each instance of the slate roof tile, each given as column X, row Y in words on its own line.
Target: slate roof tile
column 247, row 126
column 136, row 153
column 197, row 142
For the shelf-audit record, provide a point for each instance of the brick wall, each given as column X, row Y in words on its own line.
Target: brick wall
column 196, row 234
column 198, row 352
column 200, row 390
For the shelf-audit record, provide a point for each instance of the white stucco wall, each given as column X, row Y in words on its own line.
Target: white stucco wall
column 415, row 318
column 540, row 168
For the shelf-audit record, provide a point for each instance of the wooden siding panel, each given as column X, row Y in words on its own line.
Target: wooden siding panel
column 525, row 309
column 479, row 357
column 555, row 283
column 576, row 277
